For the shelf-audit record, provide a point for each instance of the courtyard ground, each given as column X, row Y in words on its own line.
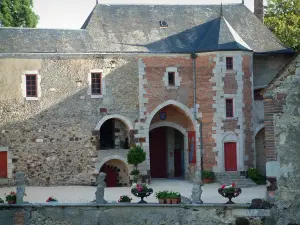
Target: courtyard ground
column 82, row 194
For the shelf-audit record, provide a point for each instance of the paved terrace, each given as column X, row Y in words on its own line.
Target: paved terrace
column 83, row 194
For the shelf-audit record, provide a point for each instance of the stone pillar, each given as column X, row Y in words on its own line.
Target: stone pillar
column 197, row 190
column 20, row 182
column 100, row 189
column 259, row 9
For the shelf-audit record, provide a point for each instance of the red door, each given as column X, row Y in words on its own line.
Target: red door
column 3, row 164
column 158, row 153
column 230, row 156
column 177, row 163
column 111, row 176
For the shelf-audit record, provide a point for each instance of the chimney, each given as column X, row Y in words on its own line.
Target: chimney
column 259, row 9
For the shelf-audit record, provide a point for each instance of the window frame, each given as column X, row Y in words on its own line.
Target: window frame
column 227, row 63
column 173, row 75
column 102, row 83
column 232, row 108
column 36, row 85
column 96, row 79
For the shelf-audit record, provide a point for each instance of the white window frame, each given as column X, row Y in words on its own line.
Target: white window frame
column 177, row 78
column 230, row 96
column 38, row 83
column 89, row 90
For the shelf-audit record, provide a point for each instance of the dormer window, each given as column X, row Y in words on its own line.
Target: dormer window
column 163, row 24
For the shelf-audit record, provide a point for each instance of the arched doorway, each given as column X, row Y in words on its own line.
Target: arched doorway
column 114, row 135
column 116, row 173
column 169, row 134
column 260, row 151
column 166, row 153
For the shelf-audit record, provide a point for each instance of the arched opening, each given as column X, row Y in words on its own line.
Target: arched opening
column 116, row 173
column 260, row 151
column 114, row 134
column 171, row 133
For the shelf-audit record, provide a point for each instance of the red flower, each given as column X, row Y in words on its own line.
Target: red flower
column 233, row 184
column 223, row 186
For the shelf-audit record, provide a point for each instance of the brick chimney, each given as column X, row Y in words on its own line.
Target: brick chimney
column 259, row 9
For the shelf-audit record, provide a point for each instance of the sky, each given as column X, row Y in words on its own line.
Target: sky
column 71, row 14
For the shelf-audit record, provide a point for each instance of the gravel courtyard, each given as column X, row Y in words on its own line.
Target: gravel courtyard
column 81, row 194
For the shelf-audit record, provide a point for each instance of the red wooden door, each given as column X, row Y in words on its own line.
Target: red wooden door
column 177, row 163
column 230, row 156
column 111, row 176
column 3, row 164
column 158, row 153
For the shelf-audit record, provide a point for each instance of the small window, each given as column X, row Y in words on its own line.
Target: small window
column 229, row 108
column 96, row 83
column 171, row 78
column 31, row 85
column 163, row 24
column 229, row 63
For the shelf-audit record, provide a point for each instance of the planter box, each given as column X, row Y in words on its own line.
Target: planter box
column 208, row 180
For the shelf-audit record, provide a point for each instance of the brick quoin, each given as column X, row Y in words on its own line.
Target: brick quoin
column 204, row 97
column 272, row 106
column 247, row 109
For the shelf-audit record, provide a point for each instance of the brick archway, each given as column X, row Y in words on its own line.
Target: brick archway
column 185, row 111
column 126, row 121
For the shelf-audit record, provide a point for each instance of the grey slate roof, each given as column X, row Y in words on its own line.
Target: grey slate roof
column 26, row 40
column 135, row 28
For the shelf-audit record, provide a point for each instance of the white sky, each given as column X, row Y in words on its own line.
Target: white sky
column 71, row 14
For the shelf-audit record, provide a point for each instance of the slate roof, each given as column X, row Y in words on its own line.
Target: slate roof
column 26, row 40
column 135, row 28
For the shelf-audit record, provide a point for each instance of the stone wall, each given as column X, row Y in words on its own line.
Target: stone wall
column 51, row 139
column 286, row 131
column 130, row 214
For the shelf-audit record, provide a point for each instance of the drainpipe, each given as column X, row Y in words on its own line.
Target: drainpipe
column 194, row 56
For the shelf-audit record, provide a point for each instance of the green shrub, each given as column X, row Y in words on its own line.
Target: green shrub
column 1, row 200
column 136, row 155
column 161, row 194
column 207, row 174
column 135, row 172
column 254, row 175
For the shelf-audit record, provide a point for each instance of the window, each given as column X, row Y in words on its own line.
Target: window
column 171, row 78
column 96, row 83
column 229, row 108
column 229, row 63
column 31, row 85
column 163, row 24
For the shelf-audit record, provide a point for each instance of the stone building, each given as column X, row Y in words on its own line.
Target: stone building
column 280, row 108
column 181, row 81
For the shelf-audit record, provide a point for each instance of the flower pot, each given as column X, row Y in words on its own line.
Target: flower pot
column 174, row 201
column 11, row 202
column 208, row 180
column 169, row 201
column 142, row 194
column 161, row 201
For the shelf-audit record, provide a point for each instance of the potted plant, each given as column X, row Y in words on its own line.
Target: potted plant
column 135, row 156
column 141, row 191
column 229, row 192
column 207, row 176
column 178, row 198
column 1, row 200
column 161, row 196
column 51, row 199
column 124, row 198
column 169, row 198
column 11, row 198
column 174, row 197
